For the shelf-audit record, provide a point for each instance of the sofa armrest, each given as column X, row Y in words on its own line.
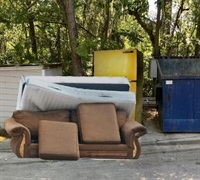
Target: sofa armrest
column 130, row 132
column 132, row 129
column 14, row 128
column 20, row 136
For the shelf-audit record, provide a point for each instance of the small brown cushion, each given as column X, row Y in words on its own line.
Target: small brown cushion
column 98, row 123
column 58, row 140
column 31, row 119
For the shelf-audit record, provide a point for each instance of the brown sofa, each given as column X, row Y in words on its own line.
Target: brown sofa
column 103, row 131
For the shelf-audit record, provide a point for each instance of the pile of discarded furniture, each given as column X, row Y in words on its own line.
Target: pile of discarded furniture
column 73, row 117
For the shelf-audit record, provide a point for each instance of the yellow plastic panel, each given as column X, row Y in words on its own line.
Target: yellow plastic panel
column 133, row 89
column 116, row 63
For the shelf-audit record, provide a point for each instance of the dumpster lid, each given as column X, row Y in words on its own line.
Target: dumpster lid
column 176, row 68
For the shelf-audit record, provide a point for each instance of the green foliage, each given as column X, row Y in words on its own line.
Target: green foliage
column 142, row 6
column 15, row 33
column 102, row 25
column 86, row 47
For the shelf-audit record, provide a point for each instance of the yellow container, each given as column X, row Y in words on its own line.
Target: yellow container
column 133, row 88
column 116, row 63
column 123, row 63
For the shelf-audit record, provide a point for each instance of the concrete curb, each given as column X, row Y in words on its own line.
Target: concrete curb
column 5, row 145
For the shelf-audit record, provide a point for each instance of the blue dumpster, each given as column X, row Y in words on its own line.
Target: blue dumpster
column 179, row 103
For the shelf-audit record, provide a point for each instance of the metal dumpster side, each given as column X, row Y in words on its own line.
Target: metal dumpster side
column 180, row 104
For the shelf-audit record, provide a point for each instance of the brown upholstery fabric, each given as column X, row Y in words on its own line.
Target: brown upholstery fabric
column 31, row 119
column 121, row 117
column 132, row 130
column 103, row 147
column 21, row 140
column 58, row 140
column 74, row 116
column 33, row 150
column 98, row 123
column 104, row 150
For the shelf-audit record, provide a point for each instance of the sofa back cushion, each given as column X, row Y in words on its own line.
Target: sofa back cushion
column 31, row 119
column 98, row 123
column 121, row 117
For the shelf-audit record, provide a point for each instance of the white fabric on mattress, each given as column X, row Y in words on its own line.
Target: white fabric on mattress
column 43, row 96
column 79, row 79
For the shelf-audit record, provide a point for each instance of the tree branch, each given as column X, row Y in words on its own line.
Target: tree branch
column 179, row 12
column 81, row 27
column 31, row 5
column 144, row 25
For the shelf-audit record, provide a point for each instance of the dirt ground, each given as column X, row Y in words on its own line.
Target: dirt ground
column 151, row 114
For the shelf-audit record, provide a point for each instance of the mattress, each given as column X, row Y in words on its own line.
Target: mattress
column 89, row 82
column 40, row 95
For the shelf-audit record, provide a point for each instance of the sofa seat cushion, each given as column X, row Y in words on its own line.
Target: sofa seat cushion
column 104, row 150
column 103, row 147
column 31, row 119
column 98, row 123
column 58, row 140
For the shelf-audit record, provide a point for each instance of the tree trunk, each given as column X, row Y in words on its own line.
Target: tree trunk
column 156, row 43
column 58, row 45
column 149, row 29
column 33, row 39
column 167, row 16
column 197, row 46
column 166, row 23
column 67, row 8
column 144, row 25
column 107, row 20
column 32, row 33
column 179, row 13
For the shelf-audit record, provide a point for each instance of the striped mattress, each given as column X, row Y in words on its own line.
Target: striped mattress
column 39, row 95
